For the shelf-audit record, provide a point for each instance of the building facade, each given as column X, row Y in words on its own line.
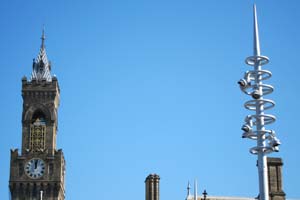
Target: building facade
column 38, row 171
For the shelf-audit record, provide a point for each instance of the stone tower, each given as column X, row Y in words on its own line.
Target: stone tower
column 152, row 187
column 38, row 172
column 275, row 179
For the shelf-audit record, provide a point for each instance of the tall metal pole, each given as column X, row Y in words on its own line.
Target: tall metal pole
column 261, row 156
column 252, row 84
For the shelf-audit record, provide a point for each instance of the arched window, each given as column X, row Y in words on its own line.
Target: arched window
column 37, row 131
column 38, row 116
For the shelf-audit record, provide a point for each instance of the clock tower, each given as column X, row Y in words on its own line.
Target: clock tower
column 38, row 171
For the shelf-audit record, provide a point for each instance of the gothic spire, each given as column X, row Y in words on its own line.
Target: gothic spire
column 256, row 35
column 41, row 66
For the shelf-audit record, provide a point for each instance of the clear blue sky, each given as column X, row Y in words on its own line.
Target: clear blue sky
column 150, row 87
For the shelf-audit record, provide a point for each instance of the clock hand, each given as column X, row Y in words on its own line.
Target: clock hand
column 35, row 164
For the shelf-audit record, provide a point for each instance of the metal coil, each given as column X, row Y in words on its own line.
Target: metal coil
column 252, row 85
column 253, row 60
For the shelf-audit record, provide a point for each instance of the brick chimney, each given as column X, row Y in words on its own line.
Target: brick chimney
column 152, row 187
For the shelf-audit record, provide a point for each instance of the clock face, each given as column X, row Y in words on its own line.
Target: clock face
column 35, row 168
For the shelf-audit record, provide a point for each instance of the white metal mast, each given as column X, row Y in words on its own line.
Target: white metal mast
column 252, row 85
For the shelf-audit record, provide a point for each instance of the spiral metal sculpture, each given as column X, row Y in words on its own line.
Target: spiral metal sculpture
column 254, row 127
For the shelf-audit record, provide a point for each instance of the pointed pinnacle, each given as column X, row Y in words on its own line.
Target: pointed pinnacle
column 188, row 188
column 256, row 35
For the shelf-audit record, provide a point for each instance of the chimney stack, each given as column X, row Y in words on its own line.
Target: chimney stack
column 152, row 187
column 275, row 178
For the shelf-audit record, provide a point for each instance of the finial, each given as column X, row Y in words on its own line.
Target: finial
column 188, row 189
column 43, row 38
column 256, row 35
column 195, row 190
